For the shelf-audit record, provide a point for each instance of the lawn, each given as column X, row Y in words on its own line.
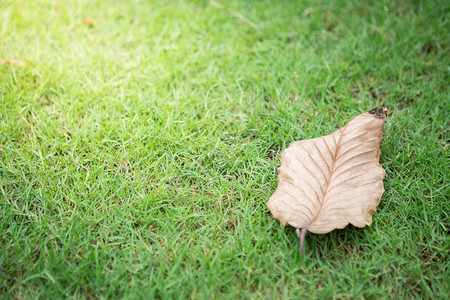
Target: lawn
column 140, row 140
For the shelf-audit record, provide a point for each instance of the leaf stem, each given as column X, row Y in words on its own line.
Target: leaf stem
column 301, row 233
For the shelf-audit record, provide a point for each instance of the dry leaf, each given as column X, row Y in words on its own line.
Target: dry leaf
column 328, row 182
column 91, row 22
column 307, row 11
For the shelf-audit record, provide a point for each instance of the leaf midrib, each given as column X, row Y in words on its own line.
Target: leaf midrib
column 328, row 180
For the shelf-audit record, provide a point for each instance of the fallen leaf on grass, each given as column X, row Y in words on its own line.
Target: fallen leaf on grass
column 328, row 182
column 16, row 63
column 91, row 22
column 307, row 11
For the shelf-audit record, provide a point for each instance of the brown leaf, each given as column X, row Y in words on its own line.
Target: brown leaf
column 328, row 182
column 91, row 22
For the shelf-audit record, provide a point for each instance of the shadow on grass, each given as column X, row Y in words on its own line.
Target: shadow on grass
column 348, row 241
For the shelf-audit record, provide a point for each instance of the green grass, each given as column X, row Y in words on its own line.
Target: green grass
column 137, row 155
